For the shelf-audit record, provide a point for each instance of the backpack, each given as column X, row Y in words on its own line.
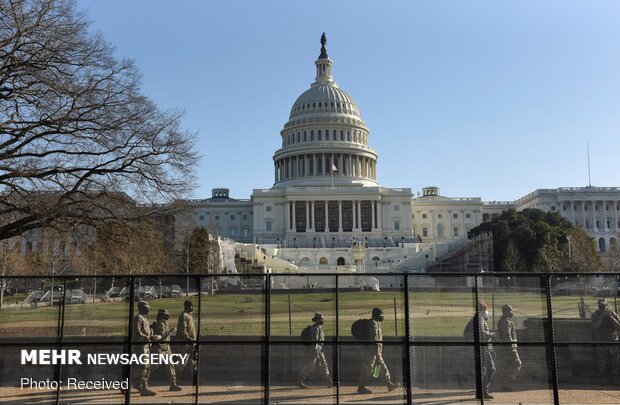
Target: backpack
column 361, row 329
column 468, row 332
column 306, row 334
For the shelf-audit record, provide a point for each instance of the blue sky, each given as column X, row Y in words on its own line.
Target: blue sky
column 490, row 99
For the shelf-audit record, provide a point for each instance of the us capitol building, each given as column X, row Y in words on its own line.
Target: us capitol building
column 325, row 193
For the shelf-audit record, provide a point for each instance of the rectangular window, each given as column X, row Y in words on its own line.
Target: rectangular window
column 347, row 216
column 553, row 208
column 397, row 225
column 455, row 231
column 332, row 213
column 425, row 232
column 245, row 232
column 300, row 216
column 268, row 208
column 245, row 217
column 396, row 207
column 232, row 216
column 423, row 216
column 439, row 216
column 268, row 224
column 455, row 216
column 467, row 216
column 366, row 214
column 201, row 217
column 319, row 216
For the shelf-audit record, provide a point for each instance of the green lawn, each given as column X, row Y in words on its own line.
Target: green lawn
column 431, row 313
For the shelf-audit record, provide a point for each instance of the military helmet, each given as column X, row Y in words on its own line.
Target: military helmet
column 188, row 304
column 318, row 317
column 163, row 313
column 602, row 301
column 143, row 304
column 506, row 308
column 376, row 311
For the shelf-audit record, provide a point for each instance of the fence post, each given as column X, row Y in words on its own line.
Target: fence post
column 198, row 346
column 551, row 345
column 290, row 323
column 61, row 333
column 130, row 336
column 493, row 305
column 407, row 341
column 477, row 359
column 336, row 367
column 266, row 367
column 395, row 319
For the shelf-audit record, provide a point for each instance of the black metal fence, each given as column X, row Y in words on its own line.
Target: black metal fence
column 249, row 347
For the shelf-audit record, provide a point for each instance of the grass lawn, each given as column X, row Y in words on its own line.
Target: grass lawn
column 432, row 313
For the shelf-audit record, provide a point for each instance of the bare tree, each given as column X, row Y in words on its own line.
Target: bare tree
column 79, row 143
column 11, row 263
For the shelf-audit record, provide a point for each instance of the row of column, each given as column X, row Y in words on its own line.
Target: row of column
column 310, row 218
column 592, row 215
column 319, row 164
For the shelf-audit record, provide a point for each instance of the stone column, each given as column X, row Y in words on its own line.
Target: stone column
column 605, row 227
column 314, row 171
column 583, row 214
column 572, row 212
column 326, row 217
column 312, row 217
column 339, row 216
column 432, row 230
column 287, row 213
column 359, row 215
column 379, row 215
column 294, row 227
column 463, row 232
column 594, row 227
column 372, row 215
column 308, row 216
column 615, row 227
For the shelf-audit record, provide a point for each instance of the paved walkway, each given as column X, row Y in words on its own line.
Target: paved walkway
column 292, row 395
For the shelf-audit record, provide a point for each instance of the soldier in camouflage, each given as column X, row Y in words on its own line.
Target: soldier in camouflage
column 314, row 353
column 186, row 332
column 371, row 356
column 161, row 328
column 605, row 325
column 142, row 333
column 507, row 355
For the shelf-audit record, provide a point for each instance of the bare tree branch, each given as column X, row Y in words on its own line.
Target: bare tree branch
column 78, row 141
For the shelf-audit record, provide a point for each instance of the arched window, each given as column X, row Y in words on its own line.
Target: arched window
column 613, row 244
column 323, row 260
column 305, row 259
column 340, row 261
column 601, row 245
column 440, row 230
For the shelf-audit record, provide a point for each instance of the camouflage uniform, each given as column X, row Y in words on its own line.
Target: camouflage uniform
column 314, row 353
column 373, row 354
column 163, row 347
column 606, row 323
column 487, row 364
column 141, row 333
column 509, row 361
column 186, row 332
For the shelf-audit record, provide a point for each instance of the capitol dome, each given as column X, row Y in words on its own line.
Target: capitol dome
column 324, row 97
column 325, row 141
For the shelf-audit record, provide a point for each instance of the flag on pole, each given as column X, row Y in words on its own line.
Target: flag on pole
column 334, row 168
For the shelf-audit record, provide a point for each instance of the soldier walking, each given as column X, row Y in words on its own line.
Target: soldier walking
column 487, row 364
column 371, row 356
column 605, row 325
column 314, row 353
column 160, row 327
column 186, row 332
column 509, row 361
column 142, row 333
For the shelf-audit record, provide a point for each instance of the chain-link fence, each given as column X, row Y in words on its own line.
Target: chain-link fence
column 442, row 338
